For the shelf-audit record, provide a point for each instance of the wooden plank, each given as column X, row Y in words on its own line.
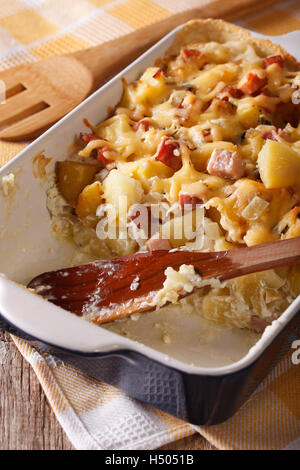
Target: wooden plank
column 26, row 419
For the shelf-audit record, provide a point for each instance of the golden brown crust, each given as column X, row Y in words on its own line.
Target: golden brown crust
column 204, row 30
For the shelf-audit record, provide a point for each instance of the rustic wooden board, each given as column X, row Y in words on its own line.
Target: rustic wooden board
column 26, row 419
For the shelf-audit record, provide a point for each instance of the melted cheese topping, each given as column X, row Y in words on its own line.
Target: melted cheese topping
column 210, row 97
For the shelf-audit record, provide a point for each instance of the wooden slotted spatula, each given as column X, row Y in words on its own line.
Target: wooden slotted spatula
column 117, row 288
column 39, row 94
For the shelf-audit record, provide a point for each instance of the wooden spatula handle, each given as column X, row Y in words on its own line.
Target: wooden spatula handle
column 257, row 258
column 108, row 58
column 106, row 285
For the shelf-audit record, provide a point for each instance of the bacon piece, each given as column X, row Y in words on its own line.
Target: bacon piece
column 186, row 199
column 87, row 137
column 101, row 158
column 181, row 106
column 159, row 73
column 144, row 123
column 206, row 132
column 269, row 93
column 253, row 84
column 226, row 164
column 271, row 135
column 284, row 134
column 274, row 59
column 190, row 54
column 231, row 91
column 168, row 153
column 141, row 216
column 235, row 92
column 207, row 136
column 259, row 324
column 158, row 243
column 274, row 134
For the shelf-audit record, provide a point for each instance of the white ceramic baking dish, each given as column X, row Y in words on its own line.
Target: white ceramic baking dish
column 207, row 392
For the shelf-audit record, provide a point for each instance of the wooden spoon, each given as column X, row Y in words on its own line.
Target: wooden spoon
column 112, row 289
column 39, row 94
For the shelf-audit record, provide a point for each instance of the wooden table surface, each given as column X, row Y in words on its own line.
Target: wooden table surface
column 26, row 420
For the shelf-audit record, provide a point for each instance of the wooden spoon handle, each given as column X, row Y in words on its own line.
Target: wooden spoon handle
column 253, row 259
column 106, row 59
column 106, row 286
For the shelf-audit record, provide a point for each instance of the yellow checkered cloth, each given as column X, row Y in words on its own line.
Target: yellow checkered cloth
column 93, row 413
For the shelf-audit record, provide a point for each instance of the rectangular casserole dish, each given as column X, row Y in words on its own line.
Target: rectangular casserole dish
column 198, row 394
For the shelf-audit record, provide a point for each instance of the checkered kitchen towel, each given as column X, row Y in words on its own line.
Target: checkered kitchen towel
column 92, row 413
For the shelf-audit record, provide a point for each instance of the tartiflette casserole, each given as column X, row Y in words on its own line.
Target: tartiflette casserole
column 205, row 147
